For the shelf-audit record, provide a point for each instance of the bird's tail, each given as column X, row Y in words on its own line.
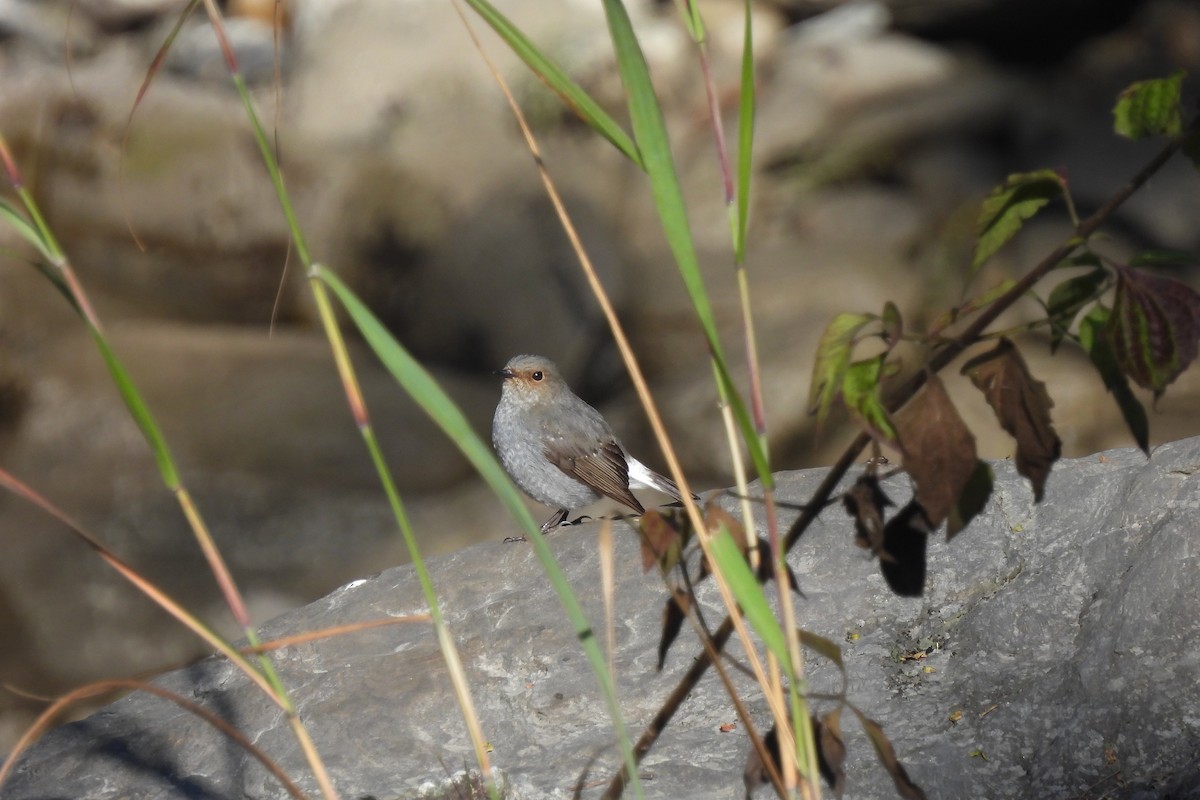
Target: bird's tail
column 642, row 476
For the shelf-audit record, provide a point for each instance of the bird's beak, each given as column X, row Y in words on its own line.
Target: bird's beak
column 504, row 373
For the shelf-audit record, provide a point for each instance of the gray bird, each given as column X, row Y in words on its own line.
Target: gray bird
column 559, row 449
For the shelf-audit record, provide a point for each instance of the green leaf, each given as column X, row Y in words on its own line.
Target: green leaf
column 1010, row 204
column 1068, row 299
column 749, row 595
column 650, row 133
column 1095, row 344
column 1085, row 259
column 1149, row 108
column 1163, row 258
column 1154, row 329
column 860, row 391
column 832, row 361
column 557, row 80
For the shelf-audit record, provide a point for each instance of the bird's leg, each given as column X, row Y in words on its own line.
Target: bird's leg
column 556, row 520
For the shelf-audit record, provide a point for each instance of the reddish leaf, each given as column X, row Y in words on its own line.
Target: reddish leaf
column 662, row 543
column 1023, row 408
column 865, row 502
column 1154, row 327
column 939, row 450
column 715, row 517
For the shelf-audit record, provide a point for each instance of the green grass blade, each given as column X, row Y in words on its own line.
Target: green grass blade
column 689, row 12
column 422, row 387
column 558, row 82
column 750, row 596
column 650, row 132
column 139, row 411
column 24, row 227
column 746, row 108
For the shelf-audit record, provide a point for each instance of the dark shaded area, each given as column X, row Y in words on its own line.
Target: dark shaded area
column 1032, row 33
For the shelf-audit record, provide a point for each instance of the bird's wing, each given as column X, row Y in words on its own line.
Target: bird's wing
column 603, row 469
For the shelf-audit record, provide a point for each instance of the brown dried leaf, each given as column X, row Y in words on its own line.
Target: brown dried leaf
column 715, row 517
column 826, row 647
column 757, row 773
column 1023, row 408
column 662, row 543
column 674, row 614
column 831, row 750
column 887, row 756
column 865, row 502
column 939, row 450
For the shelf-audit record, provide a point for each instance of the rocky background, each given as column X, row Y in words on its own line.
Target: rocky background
column 880, row 127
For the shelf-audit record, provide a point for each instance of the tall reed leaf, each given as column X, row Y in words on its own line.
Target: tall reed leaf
column 650, row 133
column 553, row 76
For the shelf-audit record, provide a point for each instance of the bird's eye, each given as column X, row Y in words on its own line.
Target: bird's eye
column 537, row 376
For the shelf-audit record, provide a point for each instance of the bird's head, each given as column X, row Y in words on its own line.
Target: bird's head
column 531, row 379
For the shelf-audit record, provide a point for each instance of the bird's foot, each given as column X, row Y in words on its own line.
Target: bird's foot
column 559, row 518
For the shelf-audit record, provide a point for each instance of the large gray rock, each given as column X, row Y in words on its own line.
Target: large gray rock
column 1061, row 637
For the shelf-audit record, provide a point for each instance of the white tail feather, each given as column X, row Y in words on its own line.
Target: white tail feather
column 642, row 477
